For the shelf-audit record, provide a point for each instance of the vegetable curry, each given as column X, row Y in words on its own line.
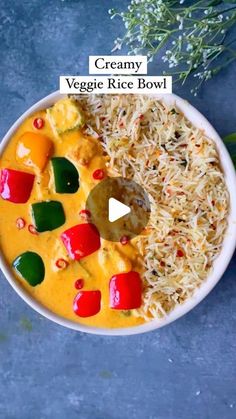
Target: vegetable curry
column 56, row 253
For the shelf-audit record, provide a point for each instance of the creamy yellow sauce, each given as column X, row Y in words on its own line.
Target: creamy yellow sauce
column 57, row 291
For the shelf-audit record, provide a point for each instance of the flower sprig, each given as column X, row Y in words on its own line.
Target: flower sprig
column 192, row 38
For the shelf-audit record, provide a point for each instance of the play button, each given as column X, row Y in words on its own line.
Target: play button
column 119, row 207
column 116, row 210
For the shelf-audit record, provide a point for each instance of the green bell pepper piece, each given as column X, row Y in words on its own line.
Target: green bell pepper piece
column 65, row 174
column 30, row 266
column 48, row 215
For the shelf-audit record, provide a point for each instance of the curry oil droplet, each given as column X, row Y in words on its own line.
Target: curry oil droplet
column 98, row 174
column 38, row 123
column 79, row 283
column 20, row 223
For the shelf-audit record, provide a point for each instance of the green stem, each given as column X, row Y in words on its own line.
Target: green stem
column 220, row 67
column 221, row 12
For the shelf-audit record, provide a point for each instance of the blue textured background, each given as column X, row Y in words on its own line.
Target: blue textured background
column 184, row 371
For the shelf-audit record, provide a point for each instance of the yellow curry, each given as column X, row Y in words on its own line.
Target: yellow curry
column 47, row 170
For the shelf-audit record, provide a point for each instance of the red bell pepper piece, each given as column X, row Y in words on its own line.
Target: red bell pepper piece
column 81, row 240
column 87, row 303
column 16, row 186
column 125, row 291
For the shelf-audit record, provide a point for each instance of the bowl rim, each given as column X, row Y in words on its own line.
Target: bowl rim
column 220, row 263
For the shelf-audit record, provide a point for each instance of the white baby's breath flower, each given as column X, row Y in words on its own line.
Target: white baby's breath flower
column 181, row 23
column 189, row 47
column 197, row 34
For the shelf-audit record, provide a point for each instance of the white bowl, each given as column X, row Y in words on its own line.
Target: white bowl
column 220, row 263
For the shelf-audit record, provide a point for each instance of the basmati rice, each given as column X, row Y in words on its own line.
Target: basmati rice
column 179, row 167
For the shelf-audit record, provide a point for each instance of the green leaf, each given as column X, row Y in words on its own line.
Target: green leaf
column 230, row 138
column 230, row 1
column 233, row 157
column 230, row 141
column 215, row 3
